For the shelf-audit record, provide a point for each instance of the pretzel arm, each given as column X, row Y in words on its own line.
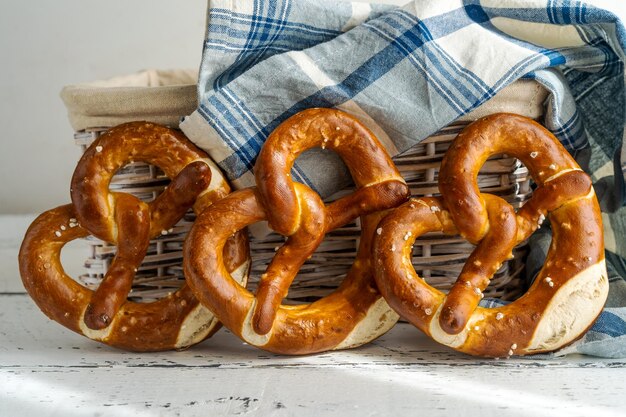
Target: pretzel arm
column 484, row 261
column 550, row 196
column 274, row 283
column 366, row 200
column 133, row 225
column 41, row 270
column 172, row 204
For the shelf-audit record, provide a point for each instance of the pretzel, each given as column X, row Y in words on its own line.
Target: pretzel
column 352, row 315
column 175, row 321
column 569, row 291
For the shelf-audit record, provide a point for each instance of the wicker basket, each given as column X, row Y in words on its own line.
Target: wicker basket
column 436, row 257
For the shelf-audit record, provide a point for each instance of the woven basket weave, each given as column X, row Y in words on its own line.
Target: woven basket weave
column 437, row 257
column 164, row 96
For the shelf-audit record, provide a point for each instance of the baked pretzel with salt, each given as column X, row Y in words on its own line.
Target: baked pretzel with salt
column 569, row 291
column 175, row 321
column 353, row 314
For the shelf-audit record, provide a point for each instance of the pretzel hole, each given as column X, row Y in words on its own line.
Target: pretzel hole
column 140, row 179
column 72, row 257
column 325, row 162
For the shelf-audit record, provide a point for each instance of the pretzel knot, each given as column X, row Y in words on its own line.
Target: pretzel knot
column 569, row 291
column 105, row 314
column 355, row 313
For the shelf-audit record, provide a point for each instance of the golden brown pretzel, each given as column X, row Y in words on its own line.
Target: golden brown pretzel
column 176, row 321
column 568, row 293
column 355, row 313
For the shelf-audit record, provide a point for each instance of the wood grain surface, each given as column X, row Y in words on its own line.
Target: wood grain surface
column 46, row 370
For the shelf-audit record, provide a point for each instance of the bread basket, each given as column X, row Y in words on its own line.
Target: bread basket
column 165, row 96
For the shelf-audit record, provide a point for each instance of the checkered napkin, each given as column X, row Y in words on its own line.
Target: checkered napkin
column 408, row 71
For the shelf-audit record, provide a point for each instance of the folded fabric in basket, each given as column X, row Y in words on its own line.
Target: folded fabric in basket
column 408, row 71
column 158, row 96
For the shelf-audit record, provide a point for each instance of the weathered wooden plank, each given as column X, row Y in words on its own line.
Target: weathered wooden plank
column 30, row 340
column 46, row 370
column 333, row 391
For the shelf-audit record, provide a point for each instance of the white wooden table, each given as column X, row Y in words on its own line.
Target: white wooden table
column 46, row 370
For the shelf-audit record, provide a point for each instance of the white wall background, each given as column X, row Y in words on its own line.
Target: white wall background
column 45, row 45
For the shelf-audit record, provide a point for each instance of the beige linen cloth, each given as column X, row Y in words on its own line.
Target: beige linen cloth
column 164, row 96
column 159, row 96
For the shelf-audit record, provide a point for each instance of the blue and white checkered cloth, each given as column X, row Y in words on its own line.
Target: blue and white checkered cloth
column 408, row 71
